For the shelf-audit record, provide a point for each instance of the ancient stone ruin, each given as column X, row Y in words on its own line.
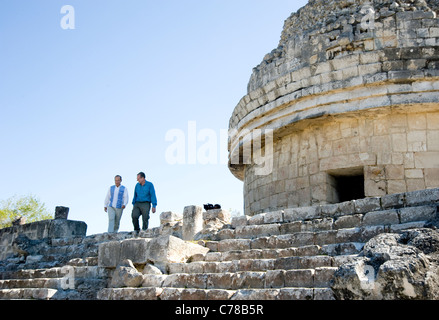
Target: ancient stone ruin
column 345, row 115
column 351, row 94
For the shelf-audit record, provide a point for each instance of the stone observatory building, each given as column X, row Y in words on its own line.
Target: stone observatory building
column 351, row 98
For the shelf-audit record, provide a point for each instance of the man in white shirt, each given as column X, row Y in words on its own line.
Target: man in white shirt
column 115, row 201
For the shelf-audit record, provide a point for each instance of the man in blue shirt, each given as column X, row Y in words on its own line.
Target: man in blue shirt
column 144, row 196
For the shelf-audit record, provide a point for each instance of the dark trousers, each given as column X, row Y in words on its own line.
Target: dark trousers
column 141, row 209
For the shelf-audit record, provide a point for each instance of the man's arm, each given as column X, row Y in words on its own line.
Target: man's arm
column 125, row 198
column 153, row 198
column 107, row 200
column 134, row 196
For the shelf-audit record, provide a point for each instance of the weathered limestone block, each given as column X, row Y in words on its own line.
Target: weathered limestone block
column 348, row 221
column 291, row 227
column 183, row 280
column 257, row 294
column 225, row 234
column 126, row 275
column 254, row 231
column 62, row 228
column 171, row 294
column 136, row 250
column 193, row 294
column 234, row 244
column 381, row 217
column 274, row 217
column 192, row 222
column 129, row 294
column 323, row 276
column 61, row 213
column 213, row 221
column 367, row 205
column 257, row 219
column 217, row 216
column 240, row 221
column 296, row 214
column 275, row 279
column 171, row 224
column 418, row 213
column 422, row 197
column 174, row 228
column 109, row 254
column 169, row 216
column 153, row 280
column 159, row 251
column 299, row 278
column 150, row 269
column 169, row 249
column 225, row 280
column 218, row 294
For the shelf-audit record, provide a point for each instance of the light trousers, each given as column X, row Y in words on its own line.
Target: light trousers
column 114, row 216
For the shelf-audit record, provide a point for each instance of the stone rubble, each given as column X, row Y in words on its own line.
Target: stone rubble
column 393, row 267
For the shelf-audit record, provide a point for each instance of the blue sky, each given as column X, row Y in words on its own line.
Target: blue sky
column 80, row 106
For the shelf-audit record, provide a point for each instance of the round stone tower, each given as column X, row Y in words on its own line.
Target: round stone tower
column 346, row 107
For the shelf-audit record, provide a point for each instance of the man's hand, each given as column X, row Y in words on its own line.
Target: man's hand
column 105, row 209
column 153, row 210
column 123, row 207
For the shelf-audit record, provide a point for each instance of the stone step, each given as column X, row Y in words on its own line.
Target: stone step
column 80, row 262
column 67, row 277
column 284, row 294
column 215, row 294
column 32, row 274
column 65, row 249
column 94, row 272
column 259, row 254
column 406, row 207
column 308, row 238
column 392, row 217
column 319, row 277
column 70, row 251
column 59, row 289
column 307, row 250
column 48, row 283
column 285, row 263
column 27, row 293
column 92, row 239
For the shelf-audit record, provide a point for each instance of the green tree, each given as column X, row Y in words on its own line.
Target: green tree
column 29, row 207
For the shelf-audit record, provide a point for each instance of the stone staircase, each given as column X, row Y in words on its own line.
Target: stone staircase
column 64, row 269
column 283, row 255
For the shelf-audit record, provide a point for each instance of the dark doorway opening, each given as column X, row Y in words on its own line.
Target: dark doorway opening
column 349, row 187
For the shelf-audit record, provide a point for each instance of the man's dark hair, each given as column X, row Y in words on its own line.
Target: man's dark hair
column 119, row 177
column 141, row 174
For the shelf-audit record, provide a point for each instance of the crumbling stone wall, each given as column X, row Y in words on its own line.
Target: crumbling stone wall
column 352, row 89
column 46, row 229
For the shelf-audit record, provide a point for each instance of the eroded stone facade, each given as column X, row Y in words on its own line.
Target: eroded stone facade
column 395, row 152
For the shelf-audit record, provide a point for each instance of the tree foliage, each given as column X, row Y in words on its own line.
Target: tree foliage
column 29, row 207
